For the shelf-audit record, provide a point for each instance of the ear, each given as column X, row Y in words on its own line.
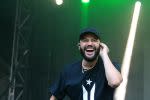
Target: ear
column 78, row 46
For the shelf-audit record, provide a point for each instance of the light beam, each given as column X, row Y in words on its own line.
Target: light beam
column 121, row 90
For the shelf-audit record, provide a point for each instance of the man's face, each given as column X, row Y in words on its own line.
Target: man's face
column 89, row 47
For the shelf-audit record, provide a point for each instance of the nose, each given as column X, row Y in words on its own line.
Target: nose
column 90, row 43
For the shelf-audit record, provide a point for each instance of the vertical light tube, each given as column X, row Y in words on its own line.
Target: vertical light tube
column 121, row 90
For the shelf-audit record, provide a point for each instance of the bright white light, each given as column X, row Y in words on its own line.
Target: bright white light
column 59, row 2
column 85, row 1
column 121, row 90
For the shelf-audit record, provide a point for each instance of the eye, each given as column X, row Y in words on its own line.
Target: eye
column 94, row 40
column 85, row 40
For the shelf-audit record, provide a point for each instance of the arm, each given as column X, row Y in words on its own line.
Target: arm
column 52, row 98
column 113, row 76
column 57, row 89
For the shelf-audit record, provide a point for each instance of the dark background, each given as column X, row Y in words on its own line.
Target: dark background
column 55, row 31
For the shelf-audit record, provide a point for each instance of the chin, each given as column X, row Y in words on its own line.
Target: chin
column 90, row 59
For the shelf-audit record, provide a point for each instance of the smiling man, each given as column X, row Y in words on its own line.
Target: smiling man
column 94, row 77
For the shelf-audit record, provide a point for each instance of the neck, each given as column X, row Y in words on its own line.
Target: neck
column 88, row 65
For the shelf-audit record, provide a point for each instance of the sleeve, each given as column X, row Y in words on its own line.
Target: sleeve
column 117, row 66
column 58, row 88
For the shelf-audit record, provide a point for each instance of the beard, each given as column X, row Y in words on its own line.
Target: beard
column 94, row 57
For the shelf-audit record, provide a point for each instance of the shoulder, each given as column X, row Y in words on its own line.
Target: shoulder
column 71, row 71
column 75, row 66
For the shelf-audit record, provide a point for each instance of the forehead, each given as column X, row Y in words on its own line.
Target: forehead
column 89, row 35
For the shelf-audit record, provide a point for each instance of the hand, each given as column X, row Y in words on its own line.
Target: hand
column 103, row 49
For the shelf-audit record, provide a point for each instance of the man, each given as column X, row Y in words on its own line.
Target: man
column 93, row 78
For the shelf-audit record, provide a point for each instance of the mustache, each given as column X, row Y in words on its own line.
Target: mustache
column 93, row 47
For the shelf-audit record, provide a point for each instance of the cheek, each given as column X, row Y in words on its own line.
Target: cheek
column 97, row 45
column 82, row 45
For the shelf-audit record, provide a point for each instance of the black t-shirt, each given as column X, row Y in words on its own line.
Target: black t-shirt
column 90, row 85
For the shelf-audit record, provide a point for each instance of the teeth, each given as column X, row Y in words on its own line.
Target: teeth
column 89, row 50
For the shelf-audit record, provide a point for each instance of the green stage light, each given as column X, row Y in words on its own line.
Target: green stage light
column 84, row 13
column 85, row 1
